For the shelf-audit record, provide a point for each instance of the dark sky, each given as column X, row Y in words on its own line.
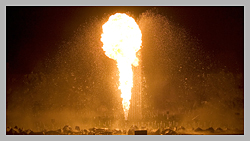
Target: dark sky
column 32, row 32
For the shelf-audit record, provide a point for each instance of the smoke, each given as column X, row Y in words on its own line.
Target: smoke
column 182, row 78
column 69, row 87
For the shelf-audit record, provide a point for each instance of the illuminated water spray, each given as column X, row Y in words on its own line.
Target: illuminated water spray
column 121, row 40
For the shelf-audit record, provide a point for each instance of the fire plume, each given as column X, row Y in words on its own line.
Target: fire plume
column 121, row 39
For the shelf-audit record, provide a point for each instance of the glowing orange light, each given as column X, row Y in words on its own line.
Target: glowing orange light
column 121, row 40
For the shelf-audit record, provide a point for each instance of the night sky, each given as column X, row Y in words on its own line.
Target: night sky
column 190, row 54
column 37, row 29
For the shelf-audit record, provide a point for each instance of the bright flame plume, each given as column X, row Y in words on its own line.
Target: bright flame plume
column 121, row 40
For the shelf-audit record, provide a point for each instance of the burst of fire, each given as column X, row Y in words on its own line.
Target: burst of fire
column 121, row 40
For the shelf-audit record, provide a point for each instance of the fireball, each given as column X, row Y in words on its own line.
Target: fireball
column 121, row 39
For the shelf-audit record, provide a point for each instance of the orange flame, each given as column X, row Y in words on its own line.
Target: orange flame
column 121, row 40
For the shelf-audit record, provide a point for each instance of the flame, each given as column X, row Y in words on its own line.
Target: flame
column 121, row 39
